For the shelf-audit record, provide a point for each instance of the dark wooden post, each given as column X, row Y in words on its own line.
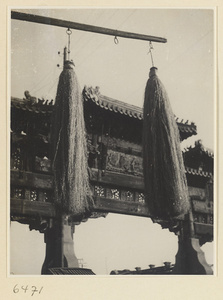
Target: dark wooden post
column 190, row 259
column 59, row 246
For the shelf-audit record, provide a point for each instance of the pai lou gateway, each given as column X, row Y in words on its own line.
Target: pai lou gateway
column 114, row 144
column 83, row 155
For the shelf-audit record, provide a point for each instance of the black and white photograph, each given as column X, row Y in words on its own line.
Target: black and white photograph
column 112, row 142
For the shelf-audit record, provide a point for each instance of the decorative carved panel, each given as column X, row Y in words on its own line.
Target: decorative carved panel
column 119, row 194
column 124, row 163
column 140, row 197
column 99, row 191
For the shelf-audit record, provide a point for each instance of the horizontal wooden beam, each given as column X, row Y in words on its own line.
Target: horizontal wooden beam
column 24, row 207
column 84, row 27
column 121, row 207
column 117, row 179
column 45, row 181
column 203, row 229
column 31, row 180
column 108, row 178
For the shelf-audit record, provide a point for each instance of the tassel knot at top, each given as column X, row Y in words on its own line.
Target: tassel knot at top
column 152, row 72
column 69, row 65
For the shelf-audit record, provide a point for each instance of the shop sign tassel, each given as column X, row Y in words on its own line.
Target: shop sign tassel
column 166, row 190
column 71, row 181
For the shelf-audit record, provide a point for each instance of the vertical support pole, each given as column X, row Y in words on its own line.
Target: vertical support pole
column 190, row 259
column 59, row 246
column 69, row 258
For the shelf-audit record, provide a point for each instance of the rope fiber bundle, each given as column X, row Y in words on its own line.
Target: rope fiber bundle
column 165, row 182
column 71, row 180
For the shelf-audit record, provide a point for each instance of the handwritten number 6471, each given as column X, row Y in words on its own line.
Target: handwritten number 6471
column 33, row 289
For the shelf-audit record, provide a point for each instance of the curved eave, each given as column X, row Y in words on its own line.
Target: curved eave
column 40, row 107
column 106, row 103
column 186, row 129
column 198, row 172
column 115, row 106
column 200, row 149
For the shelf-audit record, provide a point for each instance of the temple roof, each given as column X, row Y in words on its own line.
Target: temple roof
column 111, row 104
column 199, row 147
column 166, row 269
column 198, row 157
column 42, row 106
column 130, row 110
column 71, row 271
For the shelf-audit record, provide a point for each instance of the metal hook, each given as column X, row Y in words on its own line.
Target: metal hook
column 116, row 41
column 150, row 51
column 69, row 32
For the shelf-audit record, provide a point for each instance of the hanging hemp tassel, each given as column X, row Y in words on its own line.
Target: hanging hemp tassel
column 71, row 182
column 166, row 190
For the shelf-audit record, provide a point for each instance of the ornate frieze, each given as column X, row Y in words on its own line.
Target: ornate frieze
column 124, row 163
column 36, row 195
column 117, row 193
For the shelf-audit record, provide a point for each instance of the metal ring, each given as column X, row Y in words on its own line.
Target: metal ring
column 116, row 41
column 69, row 32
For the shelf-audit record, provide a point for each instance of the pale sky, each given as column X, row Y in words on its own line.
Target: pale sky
column 186, row 68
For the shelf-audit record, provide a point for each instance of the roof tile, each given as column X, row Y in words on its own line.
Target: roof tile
column 90, row 94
